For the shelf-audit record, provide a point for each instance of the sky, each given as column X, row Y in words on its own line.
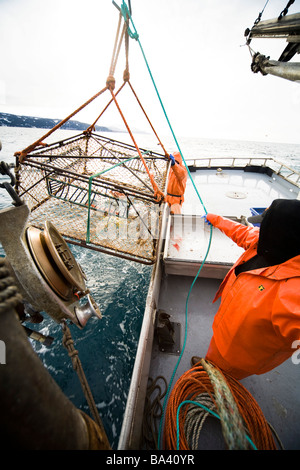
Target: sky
column 56, row 55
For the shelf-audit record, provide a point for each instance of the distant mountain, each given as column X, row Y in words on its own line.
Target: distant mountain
column 13, row 120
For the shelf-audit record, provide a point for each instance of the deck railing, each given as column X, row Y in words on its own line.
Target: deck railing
column 279, row 168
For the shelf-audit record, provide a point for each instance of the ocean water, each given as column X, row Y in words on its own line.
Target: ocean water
column 107, row 347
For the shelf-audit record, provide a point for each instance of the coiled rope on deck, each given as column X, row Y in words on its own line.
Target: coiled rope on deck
column 214, row 392
column 156, row 390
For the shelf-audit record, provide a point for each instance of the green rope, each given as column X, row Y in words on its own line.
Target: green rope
column 126, row 14
column 184, row 343
column 209, row 411
column 127, row 17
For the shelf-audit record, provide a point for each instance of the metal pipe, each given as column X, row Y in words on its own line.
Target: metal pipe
column 287, row 70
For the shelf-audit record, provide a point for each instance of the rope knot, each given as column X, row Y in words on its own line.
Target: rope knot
column 68, row 342
column 126, row 75
column 111, row 82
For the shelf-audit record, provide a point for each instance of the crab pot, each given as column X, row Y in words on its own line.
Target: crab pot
column 97, row 193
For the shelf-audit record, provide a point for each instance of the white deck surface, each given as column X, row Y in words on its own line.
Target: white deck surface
column 230, row 193
column 188, row 241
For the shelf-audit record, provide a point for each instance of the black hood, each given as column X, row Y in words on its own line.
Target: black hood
column 279, row 236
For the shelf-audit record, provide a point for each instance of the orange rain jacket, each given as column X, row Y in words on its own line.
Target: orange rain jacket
column 177, row 182
column 259, row 316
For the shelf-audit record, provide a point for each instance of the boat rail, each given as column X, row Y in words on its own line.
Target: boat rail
column 281, row 169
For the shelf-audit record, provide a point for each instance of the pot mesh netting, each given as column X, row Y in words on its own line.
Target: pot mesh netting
column 97, row 193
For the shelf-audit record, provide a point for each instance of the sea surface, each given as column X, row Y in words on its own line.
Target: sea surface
column 107, row 347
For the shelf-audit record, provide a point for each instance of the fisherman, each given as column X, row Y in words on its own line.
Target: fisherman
column 257, row 326
column 176, row 184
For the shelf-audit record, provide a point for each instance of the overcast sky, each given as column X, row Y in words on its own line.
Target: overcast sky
column 55, row 55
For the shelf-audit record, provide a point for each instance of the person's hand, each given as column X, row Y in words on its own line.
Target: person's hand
column 172, row 160
column 205, row 220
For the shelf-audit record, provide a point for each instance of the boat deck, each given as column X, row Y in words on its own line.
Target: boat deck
column 277, row 392
column 230, row 192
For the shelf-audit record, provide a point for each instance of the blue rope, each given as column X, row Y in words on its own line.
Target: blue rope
column 127, row 16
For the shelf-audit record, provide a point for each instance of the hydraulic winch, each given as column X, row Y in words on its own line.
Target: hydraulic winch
column 45, row 270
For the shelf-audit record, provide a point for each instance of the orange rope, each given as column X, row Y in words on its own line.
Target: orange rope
column 116, row 50
column 158, row 193
column 114, row 55
column 92, row 126
column 110, row 84
column 196, row 381
column 22, row 155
